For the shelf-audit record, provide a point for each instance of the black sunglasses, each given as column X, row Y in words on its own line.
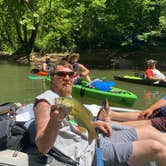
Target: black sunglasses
column 63, row 74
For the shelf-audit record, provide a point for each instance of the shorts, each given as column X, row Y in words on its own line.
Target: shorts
column 118, row 147
column 158, row 120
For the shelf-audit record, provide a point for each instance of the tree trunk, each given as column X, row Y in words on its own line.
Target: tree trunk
column 26, row 48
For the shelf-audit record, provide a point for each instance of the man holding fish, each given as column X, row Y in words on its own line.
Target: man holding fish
column 61, row 122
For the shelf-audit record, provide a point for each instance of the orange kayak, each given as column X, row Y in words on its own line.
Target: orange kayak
column 42, row 73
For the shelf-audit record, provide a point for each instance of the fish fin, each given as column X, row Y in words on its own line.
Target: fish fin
column 92, row 135
column 82, row 129
column 105, row 104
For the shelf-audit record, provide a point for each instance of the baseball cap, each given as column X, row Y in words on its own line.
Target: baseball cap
column 150, row 61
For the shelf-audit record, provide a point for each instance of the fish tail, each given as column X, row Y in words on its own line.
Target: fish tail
column 92, row 134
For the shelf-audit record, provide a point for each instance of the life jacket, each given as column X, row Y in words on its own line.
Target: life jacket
column 75, row 67
column 76, row 76
column 154, row 73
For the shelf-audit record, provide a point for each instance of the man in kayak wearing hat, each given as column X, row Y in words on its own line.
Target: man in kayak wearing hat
column 152, row 73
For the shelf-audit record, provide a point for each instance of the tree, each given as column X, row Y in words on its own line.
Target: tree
column 60, row 25
column 25, row 22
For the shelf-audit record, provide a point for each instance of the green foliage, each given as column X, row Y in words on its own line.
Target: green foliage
column 162, row 18
column 60, row 25
column 163, row 22
column 6, row 48
column 146, row 36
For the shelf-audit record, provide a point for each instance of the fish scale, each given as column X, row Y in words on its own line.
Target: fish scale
column 80, row 113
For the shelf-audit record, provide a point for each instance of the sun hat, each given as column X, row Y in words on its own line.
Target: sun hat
column 72, row 55
column 150, row 61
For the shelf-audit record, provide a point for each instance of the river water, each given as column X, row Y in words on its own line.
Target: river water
column 16, row 87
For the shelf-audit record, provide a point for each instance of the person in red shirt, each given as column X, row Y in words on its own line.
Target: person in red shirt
column 152, row 73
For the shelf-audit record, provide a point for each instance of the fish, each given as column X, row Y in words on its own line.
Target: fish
column 80, row 114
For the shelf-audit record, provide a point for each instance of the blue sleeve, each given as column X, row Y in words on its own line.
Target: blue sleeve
column 164, row 98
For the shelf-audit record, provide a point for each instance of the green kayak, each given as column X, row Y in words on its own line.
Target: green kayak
column 139, row 80
column 115, row 95
column 34, row 77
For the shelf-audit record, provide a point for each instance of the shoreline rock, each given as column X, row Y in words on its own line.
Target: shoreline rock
column 36, row 58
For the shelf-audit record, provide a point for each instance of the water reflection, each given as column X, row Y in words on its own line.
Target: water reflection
column 150, row 96
column 15, row 86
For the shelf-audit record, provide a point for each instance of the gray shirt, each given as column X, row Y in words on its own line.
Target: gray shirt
column 68, row 141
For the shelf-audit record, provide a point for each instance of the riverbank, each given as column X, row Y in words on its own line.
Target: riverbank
column 35, row 58
column 38, row 59
column 111, row 58
column 104, row 58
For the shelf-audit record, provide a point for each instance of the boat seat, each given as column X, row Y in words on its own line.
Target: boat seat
column 26, row 159
column 141, row 75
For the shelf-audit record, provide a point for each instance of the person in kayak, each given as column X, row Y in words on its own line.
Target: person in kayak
column 152, row 73
column 54, row 129
column 46, row 65
column 155, row 116
column 79, row 69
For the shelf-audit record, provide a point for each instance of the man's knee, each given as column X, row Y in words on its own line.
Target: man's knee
column 156, row 146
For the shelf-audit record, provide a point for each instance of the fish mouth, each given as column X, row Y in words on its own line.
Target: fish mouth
column 59, row 102
column 67, row 110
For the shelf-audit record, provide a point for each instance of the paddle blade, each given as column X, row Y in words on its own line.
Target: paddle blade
column 99, row 157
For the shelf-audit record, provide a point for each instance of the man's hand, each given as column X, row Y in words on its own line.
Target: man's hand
column 104, row 127
column 145, row 114
column 57, row 114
